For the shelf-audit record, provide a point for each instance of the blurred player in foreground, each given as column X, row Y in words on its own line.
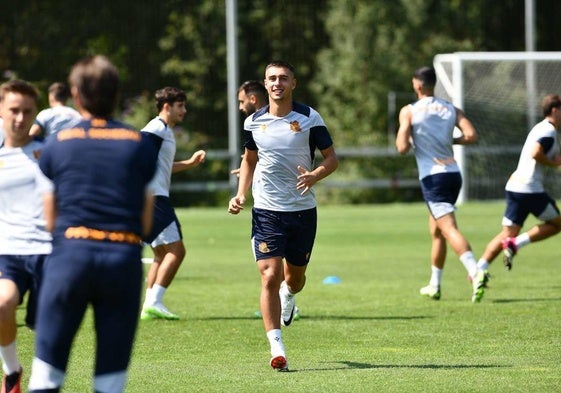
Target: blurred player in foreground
column 24, row 239
column 525, row 193
column 427, row 126
column 101, row 169
column 280, row 141
column 166, row 238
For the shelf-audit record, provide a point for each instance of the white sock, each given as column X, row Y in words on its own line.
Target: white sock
column 275, row 341
column 158, row 293
column 522, row 240
column 436, row 276
column 469, row 262
column 482, row 264
column 284, row 290
column 9, row 356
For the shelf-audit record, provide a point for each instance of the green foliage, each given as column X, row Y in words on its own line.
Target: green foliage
column 371, row 333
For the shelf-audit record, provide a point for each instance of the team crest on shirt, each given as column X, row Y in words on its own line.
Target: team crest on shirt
column 36, row 154
column 263, row 127
column 264, row 248
column 295, row 126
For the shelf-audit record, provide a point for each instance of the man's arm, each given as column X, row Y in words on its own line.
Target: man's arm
column 469, row 134
column 403, row 138
column 247, row 167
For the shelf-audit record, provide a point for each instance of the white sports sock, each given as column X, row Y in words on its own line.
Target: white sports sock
column 9, row 356
column 284, row 290
column 158, row 293
column 469, row 262
column 482, row 264
column 435, row 277
column 275, row 340
column 522, row 240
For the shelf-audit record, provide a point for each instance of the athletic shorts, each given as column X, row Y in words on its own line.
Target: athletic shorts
column 166, row 228
column 290, row 235
column 26, row 272
column 520, row 205
column 440, row 192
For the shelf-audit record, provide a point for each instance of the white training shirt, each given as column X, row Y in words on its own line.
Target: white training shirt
column 57, row 118
column 166, row 155
column 528, row 176
column 433, row 121
column 22, row 185
column 283, row 144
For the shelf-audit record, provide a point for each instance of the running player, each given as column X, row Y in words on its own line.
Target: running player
column 284, row 136
column 525, row 193
column 166, row 238
column 427, row 126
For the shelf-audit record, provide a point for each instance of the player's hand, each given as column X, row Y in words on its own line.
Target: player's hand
column 236, row 204
column 198, row 157
column 235, row 172
column 306, row 180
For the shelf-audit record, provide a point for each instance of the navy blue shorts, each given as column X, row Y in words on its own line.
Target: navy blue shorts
column 164, row 216
column 520, row 205
column 290, row 235
column 26, row 272
column 79, row 273
column 440, row 192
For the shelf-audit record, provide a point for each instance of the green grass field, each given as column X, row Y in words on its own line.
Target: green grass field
column 372, row 332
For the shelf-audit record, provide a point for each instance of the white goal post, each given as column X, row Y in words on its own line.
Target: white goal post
column 500, row 93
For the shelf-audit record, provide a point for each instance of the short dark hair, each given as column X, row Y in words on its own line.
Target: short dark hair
column 254, row 87
column 19, row 86
column 60, row 91
column 283, row 64
column 426, row 76
column 169, row 95
column 97, row 82
column 549, row 102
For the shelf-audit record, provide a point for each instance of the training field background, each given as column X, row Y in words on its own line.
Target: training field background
column 373, row 332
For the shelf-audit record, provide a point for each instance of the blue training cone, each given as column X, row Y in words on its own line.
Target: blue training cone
column 331, row 280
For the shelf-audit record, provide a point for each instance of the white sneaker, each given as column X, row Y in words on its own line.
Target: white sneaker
column 157, row 311
column 431, row 291
column 288, row 304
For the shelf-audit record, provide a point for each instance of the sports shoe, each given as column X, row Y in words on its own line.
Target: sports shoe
column 296, row 313
column 157, row 311
column 478, row 286
column 486, row 278
column 279, row 363
column 509, row 251
column 11, row 383
column 431, row 291
column 288, row 304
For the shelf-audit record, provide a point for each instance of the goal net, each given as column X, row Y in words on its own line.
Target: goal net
column 501, row 93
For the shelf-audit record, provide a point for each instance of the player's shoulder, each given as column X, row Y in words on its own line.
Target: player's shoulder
column 156, row 125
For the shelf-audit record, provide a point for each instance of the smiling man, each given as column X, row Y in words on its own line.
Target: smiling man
column 280, row 143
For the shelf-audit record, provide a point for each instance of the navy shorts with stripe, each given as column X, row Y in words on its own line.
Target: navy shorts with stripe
column 290, row 235
column 81, row 272
column 164, row 215
column 520, row 205
column 26, row 271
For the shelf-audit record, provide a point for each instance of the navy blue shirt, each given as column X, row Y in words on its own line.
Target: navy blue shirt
column 100, row 170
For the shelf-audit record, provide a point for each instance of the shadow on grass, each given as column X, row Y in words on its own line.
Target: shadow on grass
column 348, row 365
column 326, row 318
column 551, row 299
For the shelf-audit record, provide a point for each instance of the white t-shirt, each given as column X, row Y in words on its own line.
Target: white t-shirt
column 528, row 176
column 283, row 144
column 57, row 118
column 22, row 185
column 433, row 121
column 166, row 155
